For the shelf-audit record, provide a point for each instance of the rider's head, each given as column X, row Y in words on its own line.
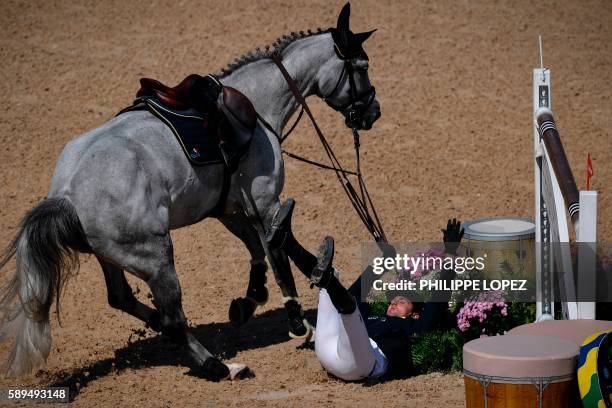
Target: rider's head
column 400, row 306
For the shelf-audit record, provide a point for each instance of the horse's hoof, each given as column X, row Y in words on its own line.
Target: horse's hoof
column 241, row 310
column 301, row 329
column 154, row 322
column 213, row 370
column 240, row 371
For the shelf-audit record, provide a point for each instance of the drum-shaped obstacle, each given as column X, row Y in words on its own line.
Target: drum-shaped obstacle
column 520, row 371
column 506, row 244
column 573, row 330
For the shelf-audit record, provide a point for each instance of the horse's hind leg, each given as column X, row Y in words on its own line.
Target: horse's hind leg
column 150, row 257
column 120, row 296
column 166, row 292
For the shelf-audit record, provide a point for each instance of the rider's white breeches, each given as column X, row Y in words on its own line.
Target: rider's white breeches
column 342, row 344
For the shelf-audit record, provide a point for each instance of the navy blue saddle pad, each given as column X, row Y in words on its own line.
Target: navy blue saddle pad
column 189, row 126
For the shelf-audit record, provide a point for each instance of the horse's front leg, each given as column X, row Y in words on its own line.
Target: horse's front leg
column 255, row 191
column 260, row 209
column 299, row 327
column 243, row 308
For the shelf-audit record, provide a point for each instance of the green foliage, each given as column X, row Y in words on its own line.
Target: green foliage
column 379, row 308
column 438, row 351
column 521, row 313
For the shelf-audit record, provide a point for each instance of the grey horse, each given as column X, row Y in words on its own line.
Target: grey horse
column 119, row 189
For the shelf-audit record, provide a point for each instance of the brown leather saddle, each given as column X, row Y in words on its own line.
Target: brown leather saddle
column 228, row 116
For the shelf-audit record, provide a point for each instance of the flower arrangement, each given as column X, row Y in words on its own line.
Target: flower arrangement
column 484, row 316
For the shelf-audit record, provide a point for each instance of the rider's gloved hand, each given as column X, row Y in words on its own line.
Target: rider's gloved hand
column 452, row 236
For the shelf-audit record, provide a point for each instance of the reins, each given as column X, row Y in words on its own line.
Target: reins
column 361, row 200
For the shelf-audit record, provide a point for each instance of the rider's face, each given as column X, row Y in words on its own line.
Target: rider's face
column 400, row 307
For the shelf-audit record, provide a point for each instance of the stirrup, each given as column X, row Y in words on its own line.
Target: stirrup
column 323, row 272
column 281, row 224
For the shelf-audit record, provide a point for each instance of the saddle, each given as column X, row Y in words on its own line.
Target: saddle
column 213, row 123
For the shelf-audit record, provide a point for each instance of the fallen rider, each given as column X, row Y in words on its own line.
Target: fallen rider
column 350, row 343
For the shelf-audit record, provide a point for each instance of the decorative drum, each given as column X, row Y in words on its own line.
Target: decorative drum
column 595, row 370
column 572, row 330
column 507, row 246
column 519, row 372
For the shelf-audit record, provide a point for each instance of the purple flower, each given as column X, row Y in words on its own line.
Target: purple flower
column 475, row 312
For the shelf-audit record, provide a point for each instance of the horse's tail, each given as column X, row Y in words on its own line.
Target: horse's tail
column 46, row 254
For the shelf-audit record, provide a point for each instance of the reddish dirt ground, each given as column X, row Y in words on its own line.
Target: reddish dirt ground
column 455, row 139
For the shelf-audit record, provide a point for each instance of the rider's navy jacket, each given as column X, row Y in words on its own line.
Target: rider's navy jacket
column 394, row 335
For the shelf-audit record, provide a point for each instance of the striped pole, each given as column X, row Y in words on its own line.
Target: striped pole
column 563, row 171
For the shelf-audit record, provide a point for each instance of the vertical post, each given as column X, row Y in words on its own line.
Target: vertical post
column 544, row 260
column 587, row 251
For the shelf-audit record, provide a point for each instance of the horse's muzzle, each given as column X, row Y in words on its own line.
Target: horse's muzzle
column 365, row 120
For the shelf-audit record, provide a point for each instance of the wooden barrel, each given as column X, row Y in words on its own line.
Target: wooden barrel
column 520, row 371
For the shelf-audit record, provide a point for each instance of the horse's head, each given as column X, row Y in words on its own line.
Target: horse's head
column 344, row 83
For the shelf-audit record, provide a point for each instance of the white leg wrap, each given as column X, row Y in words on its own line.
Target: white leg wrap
column 285, row 299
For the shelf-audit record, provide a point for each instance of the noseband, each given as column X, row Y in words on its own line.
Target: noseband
column 358, row 104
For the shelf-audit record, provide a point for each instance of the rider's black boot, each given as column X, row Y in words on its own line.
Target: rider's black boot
column 323, row 277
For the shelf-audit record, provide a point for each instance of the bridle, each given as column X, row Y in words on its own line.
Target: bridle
column 358, row 104
column 354, row 109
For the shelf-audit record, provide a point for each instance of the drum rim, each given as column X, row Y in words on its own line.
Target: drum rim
column 523, row 380
column 498, row 236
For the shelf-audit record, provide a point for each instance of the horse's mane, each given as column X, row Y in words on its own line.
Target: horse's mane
column 277, row 46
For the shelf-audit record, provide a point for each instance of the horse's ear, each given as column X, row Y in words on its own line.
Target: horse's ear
column 343, row 18
column 360, row 38
column 348, row 45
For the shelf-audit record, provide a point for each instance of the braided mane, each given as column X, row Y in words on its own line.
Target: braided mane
column 277, row 46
